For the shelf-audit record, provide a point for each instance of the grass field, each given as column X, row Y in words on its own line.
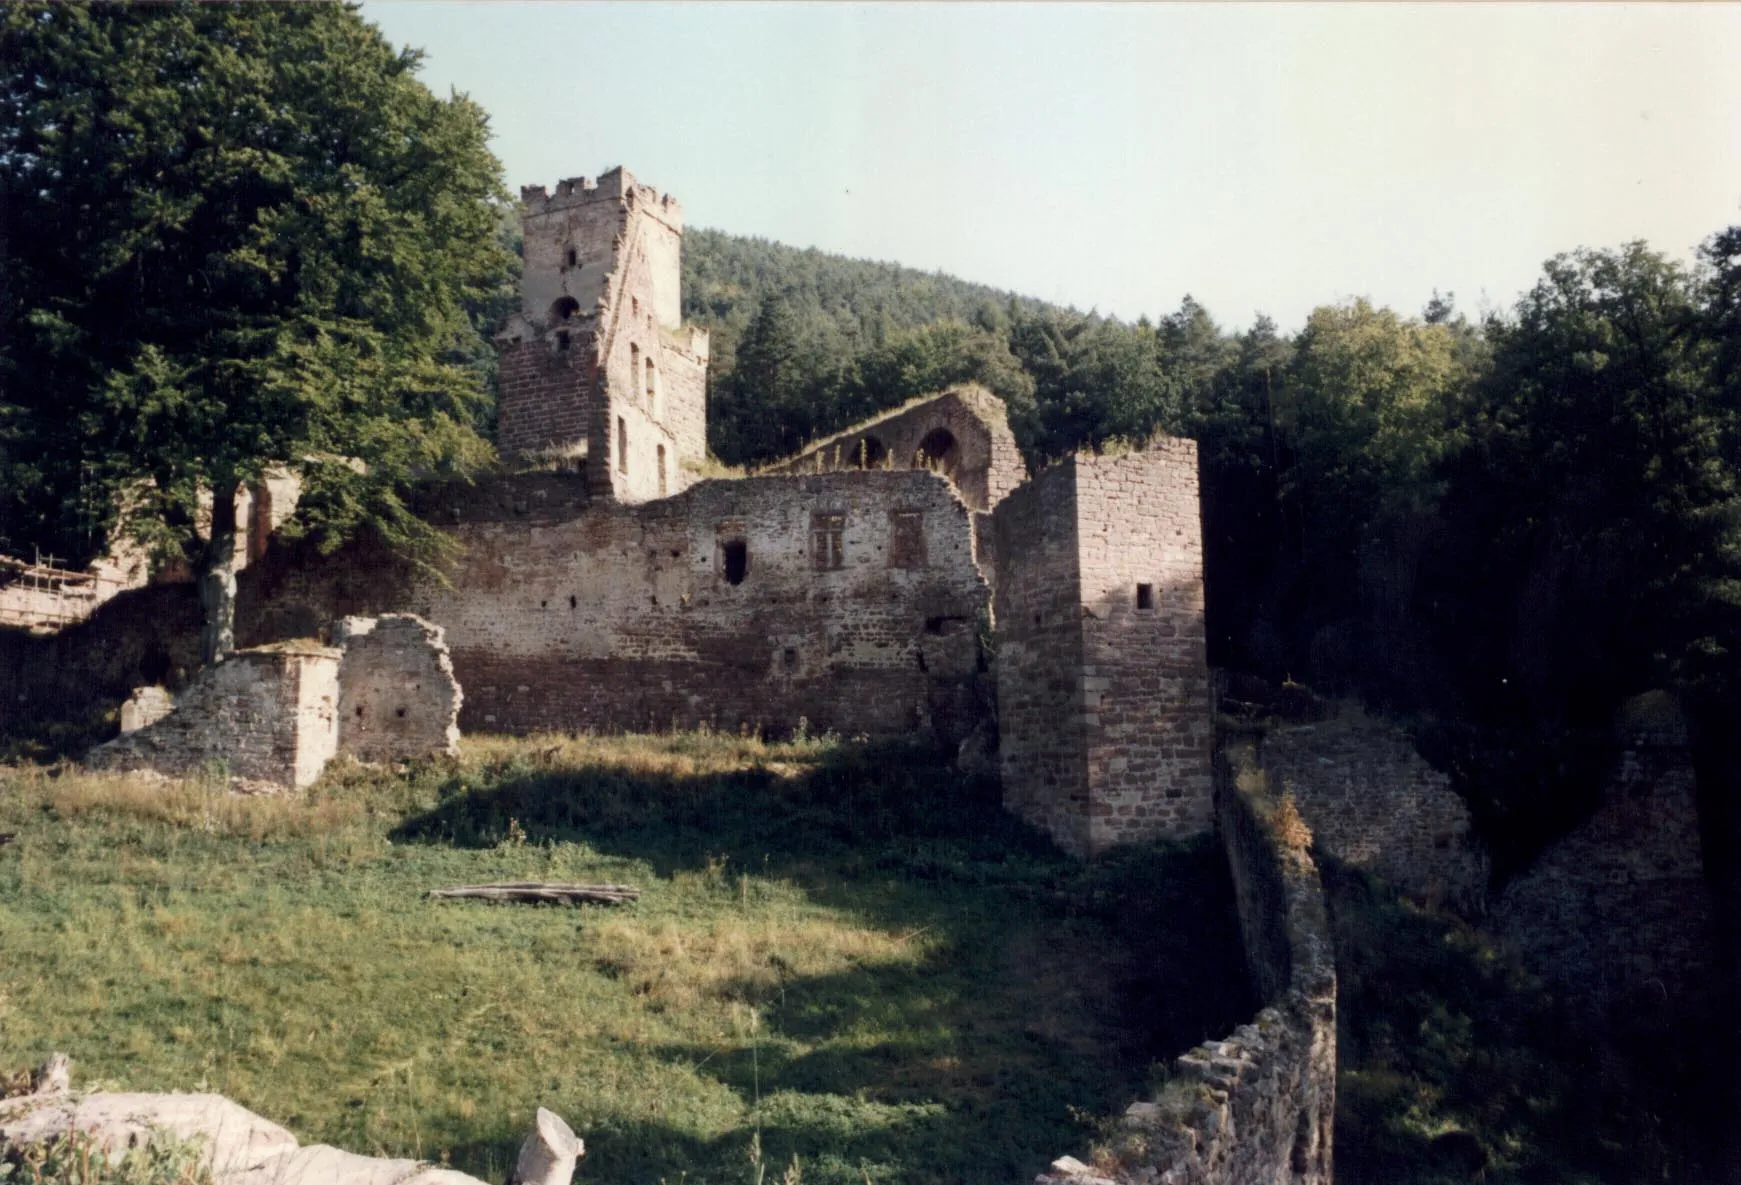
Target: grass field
column 842, row 954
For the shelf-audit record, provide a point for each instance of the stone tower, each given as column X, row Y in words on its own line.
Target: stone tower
column 1103, row 695
column 597, row 368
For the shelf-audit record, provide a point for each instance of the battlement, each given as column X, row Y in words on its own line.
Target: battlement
column 616, row 185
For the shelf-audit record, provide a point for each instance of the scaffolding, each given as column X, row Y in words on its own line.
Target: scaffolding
column 42, row 597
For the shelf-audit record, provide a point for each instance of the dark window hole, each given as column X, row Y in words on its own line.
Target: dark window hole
column 737, row 560
column 1145, row 596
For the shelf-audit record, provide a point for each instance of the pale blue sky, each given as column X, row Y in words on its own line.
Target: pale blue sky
column 1119, row 156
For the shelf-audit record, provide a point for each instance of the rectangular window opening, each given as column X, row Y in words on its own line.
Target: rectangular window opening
column 1145, row 596
column 661, row 458
column 622, row 445
column 827, row 542
column 906, row 539
column 734, row 557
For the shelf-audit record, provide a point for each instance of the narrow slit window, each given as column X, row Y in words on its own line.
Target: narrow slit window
column 661, row 460
column 1145, row 596
column 570, row 257
column 622, row 445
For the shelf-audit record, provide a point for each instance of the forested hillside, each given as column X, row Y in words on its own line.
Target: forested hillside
column 1502, row 528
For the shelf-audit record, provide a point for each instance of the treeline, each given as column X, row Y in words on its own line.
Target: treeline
column 1503, row 527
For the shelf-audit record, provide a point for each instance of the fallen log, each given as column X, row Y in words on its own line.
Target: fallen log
column 545, row 892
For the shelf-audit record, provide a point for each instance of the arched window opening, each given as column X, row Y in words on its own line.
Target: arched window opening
column 940, row 452
column 871, row 453
column 564, row 308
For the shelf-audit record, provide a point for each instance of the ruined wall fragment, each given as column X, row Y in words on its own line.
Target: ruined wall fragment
column 1618, row 916
column 265, row 715
column 963, row 433
column 856, row 607
column 398, row 697
column 1373, row 803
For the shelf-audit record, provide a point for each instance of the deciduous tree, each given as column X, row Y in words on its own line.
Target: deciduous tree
column 237, row 238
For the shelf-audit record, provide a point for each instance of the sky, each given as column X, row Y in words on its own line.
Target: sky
column 1262, row 159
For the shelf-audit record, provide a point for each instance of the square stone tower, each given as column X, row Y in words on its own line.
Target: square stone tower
column 1103, row 691
column 597, row 368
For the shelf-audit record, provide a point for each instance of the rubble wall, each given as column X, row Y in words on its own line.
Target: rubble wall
column 265, row 715
column 1373, row 803
column 1257, row 1106
column 140, row 637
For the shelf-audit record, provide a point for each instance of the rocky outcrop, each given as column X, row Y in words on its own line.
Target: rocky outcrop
column 239, row 1147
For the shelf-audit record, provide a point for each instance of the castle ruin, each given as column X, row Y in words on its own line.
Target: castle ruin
column 905, row 575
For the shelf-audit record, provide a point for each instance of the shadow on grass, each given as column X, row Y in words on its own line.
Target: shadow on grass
column 1048, row 990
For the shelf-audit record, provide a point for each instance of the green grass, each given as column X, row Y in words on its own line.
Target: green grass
column 846, row 950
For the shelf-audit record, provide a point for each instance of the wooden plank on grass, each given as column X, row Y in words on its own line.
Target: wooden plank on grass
column 544, row 892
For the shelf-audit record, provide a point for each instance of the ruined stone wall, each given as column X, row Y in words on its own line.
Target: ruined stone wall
column 265, row 715
column 1371, row 802
column 1258, row 1105
column 684, row 378
column 1103, row 686
column 547, row 402
column 982, row 459
column 143, row 636
column 1144, row 679
column 562, row 614
column 398, row 697
column 642, row 397
column 1618, row 916
column 1042, row 747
